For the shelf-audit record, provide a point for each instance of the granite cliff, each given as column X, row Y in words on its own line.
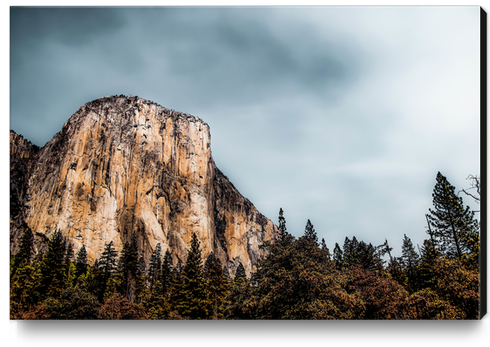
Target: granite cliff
column 124, row 166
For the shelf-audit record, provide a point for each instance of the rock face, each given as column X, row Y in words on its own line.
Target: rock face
column 23, row 156
column 124, row 166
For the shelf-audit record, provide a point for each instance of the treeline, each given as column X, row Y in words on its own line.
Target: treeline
column 299, row 279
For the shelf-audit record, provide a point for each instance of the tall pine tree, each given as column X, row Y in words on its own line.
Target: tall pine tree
column 155, row 265
column 81, row 261
column 129, row 267
column 26, row 249
column 216, row 286
column 282, row 223
column 191, row 298
column 453, row 224
column 310, row 232
column 410, row 263
column 108, row 259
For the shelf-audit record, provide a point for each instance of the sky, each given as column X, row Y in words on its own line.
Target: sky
column 340, row 115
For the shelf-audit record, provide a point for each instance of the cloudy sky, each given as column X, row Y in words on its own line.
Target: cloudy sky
column 340, row 115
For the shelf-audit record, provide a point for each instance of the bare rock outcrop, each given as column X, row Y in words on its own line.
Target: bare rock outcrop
column 124, row 166
column 23, row 156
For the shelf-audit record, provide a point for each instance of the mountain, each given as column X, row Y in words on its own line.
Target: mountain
column 124, row 166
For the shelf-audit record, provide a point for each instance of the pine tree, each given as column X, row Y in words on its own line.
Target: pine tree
column 26, row 249
column 325, row 250
column 452, row 224
column 350, row 252
column 81, row 262
column 310, row 232
column 410, row 263
column 129, row 266
column 282, row 223
column 69, row 252
column 53, row 274
column 191, row 298
column 155, row 265
column 368, row 256
column 239, row 292
column 108, row 259
column 429, row 256
column 338, row 257
column 166, row 272
column 69, row 266
column 216, row 286
column 240, row 272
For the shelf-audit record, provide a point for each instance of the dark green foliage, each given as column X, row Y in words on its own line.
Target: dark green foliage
column 26, row 249
column 73, row 303
column 310, row 232
column 129, row 267
column 81, row 262
column 395, row 269
column 69, row 253
column 238, row 294
column 338, row 257
column 453, row 225
column 108, row 259
column 357, row 253
column 325, row 250
column 166, row 272
column 191, row 297
column 53, row 269
column 155, row 265
column 282, row 223
column 25, row 288
column 216, row 286
column 240, row 272
column 410, row 261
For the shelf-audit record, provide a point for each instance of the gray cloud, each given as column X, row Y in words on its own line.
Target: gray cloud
column 339, row 115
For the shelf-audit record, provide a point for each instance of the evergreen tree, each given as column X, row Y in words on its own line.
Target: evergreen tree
column 368, row 257
column 338, row 257
column 166, row 272
column 429, row 256
column 395, row 269
column 282, row 223
column 453, row 224
column 240, row 272
column 69, row 252
column 73, row 303
column 310, row 232
column 108, row 259
column 238, row 293
column 216, row 286
column 26, row 249
column 293, row 282
column 350, row 252
column 81, row 262
column 410, row 263
column 191, row 298
column 155, row 265
column 25, row 288
column 325, row 250
column 53, row 274
column 129, row 266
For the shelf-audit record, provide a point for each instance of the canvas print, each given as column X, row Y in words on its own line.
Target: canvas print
column 342, row 181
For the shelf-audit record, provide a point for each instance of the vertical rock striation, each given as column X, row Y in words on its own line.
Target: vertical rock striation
column 23, row 156
column 124, row 166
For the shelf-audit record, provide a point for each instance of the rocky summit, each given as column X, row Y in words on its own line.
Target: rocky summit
column 124, row 166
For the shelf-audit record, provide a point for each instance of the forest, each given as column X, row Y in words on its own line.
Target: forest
column 300, row 278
